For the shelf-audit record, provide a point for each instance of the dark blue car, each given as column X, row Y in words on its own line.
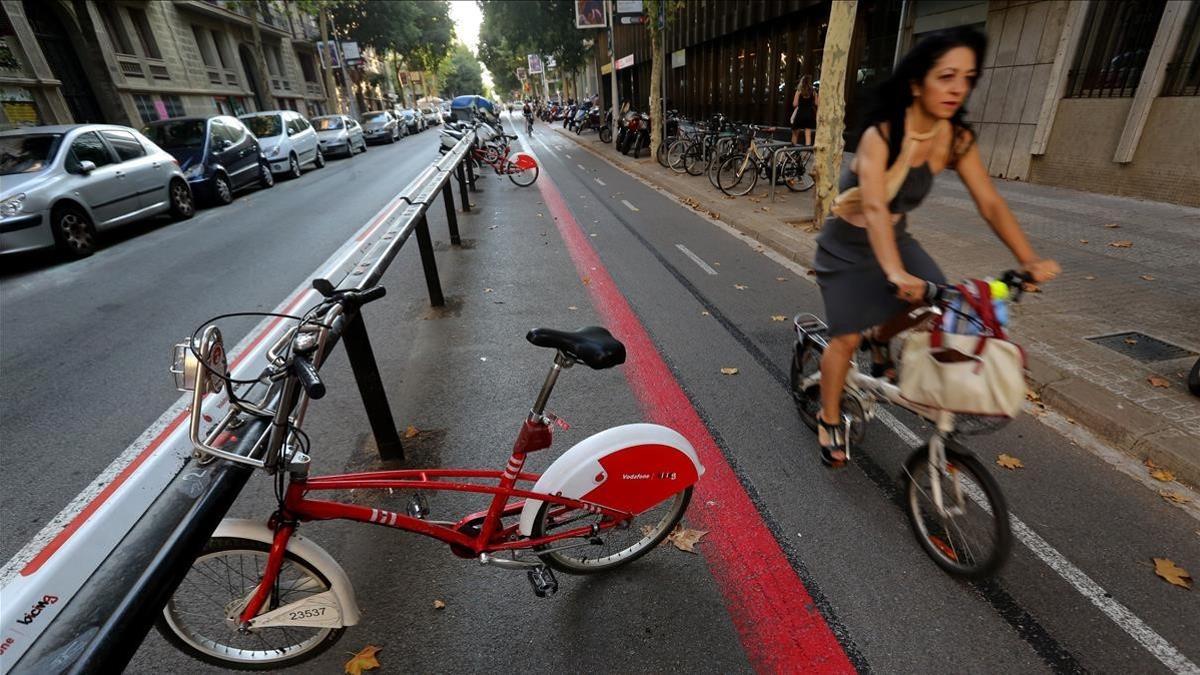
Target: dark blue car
column 218, row 155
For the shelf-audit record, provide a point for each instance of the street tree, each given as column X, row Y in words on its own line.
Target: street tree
column 513, row 29
column 420, row 32
column 660, row 14
column 461, row 73
column 831, row 114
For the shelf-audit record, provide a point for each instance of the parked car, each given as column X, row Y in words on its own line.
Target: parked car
column 339, row 134
column 431, row 116
column 60, row 185
column 287, row 139
column 381, row 126
column 218, row 154
column 412, row 121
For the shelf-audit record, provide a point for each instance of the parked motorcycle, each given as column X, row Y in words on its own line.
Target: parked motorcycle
column 589, row 120
column 637, row 134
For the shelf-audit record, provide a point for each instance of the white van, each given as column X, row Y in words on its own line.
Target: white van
column 287, row 140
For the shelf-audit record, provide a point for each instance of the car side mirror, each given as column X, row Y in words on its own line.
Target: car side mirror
column 86, row 167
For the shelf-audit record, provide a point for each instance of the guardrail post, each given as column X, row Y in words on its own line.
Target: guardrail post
column 370, row 387
column 425, row 245
column 451, row 217
column 462, row 187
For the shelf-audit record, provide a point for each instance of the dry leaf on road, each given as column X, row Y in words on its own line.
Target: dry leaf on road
column 487, row 290
column 1083, row 241
column 778, row 317
column 1157, row 381
column 438, row 604
column 685, row 539
column 729, row 371
column 1009, row 462
column 741, row 287
column 411, row 432
column 1147, row 277
column 363, row 660
column 572, row 308
column 1174, row 497
column 1130, row 341
column 1090, row 278
column 1172, row 573
column 1162, row 475
column 1112, row 226
column 1031, row 395
column 704, row 313
column 587, row 281
column 780, row 278
column 1121, row 244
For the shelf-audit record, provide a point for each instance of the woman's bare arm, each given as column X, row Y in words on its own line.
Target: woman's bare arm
column 871, row 163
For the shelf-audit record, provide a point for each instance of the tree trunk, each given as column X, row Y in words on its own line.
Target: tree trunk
column 831, row 113
column 332, row 101
column 264, row 74
column 102, row 82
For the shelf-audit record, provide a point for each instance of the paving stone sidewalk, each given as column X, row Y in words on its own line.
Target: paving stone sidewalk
column 1128, row 266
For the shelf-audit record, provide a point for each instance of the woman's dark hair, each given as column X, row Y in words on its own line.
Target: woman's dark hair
column 805, row 87
column 893, row 96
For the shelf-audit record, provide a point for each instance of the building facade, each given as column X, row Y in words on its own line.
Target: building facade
column 155, row 60
column 1088, row 94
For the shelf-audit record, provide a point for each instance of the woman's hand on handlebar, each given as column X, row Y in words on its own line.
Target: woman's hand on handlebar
column 1042, row 270
column 907, row 287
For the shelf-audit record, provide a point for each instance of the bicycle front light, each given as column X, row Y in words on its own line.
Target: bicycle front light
column 200, row 363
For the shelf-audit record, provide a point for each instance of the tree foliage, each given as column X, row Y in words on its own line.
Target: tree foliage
column 420, row 32
column 461, row 73
column 513, row 29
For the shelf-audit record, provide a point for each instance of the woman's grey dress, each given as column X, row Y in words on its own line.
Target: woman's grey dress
column 852, row 283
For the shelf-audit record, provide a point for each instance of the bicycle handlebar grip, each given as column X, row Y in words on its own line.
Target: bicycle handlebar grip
column 371, row 295
column 304, row 371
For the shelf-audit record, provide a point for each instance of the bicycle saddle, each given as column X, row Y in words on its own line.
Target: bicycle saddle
column 593, row 346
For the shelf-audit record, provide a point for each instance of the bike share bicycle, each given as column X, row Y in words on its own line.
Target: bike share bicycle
column 955, row 507
column 260, row 596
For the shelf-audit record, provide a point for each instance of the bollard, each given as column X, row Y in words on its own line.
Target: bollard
column 429, row 264
column 370, row 387
column 462, row 188
column 451, row 217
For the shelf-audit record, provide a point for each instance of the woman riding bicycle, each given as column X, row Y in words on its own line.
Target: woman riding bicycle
column 915, row 131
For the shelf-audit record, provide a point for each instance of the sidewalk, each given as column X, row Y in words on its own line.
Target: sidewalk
column 1128, row 266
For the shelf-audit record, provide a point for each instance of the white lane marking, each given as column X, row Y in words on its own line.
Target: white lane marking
column 599, row 181
column 581, row 167
column 696, row 259
column 565, row 154
column 631, row 206
column 1084, row 585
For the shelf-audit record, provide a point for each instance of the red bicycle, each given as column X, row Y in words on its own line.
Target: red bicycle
column 521, row 168
column 261, row 596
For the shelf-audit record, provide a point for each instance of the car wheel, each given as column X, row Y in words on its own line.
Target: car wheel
column 182, row 204
column 266, row 179
column 319, row 160
column 363, row 147
column 73, row 231
column 222, row 191
column 293, row 166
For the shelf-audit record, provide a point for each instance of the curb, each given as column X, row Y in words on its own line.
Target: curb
column 1138, row 433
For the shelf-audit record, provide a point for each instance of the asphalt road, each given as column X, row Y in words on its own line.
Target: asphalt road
column 1079, row 593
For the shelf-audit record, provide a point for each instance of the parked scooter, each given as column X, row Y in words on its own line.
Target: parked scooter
column 589, row 120
column 636, row 134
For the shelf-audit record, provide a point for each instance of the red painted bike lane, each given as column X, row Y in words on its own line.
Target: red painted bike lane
column 777, row 621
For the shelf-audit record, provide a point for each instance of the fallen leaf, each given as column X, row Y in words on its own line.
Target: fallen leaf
column 1038, row 410
column 1121, row 244
column 1157, row 381
column 1150, row 464
column 780, row 278
column 703, row 313
column 592, row 234
column 572, row 308
column 487, row 290
column 411, row 432
column 729, row 371
column 1083, row 241
column 1147, row 277
column 1070, row 420
column 740, row 287
column 1112, row 226
column 1009, row 462
column 1130, row 341
column 363, row 660
column 1162, row 475
column 766, row 209
column 539, row 215
column 1031, row 395
column 438, row 604
column 1174, row 497
column 778, row 317
column 685, row 539
column 1090, row 278
column 587, row 281
column 1169, row 571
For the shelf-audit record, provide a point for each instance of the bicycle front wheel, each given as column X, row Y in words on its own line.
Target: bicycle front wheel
column 523, row 177
column 793, row 173
column 696, row 160
column 222, row 577
column 622, row 543
column 970, row 536
column 737, row 175
column 677, row 155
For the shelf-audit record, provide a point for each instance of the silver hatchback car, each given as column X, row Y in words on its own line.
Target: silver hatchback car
column 60, row 185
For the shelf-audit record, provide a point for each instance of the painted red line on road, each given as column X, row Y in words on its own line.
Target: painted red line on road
column 776, row 619
column 384, row 215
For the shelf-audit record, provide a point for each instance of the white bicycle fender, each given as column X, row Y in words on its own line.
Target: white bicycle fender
column 310, row 552
column 631, row 467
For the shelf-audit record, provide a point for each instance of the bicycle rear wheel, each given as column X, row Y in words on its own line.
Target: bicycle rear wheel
column 806, row 362
column 623, row 543
column 523, row 177
column 677, row 155
column 738, row 175
column 694, row 163
column 971, row 538
column 794, row 174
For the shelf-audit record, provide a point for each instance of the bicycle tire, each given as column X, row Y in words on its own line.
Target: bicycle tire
column 523, row 173
column 661, row 153
column 799, row 179
column 947, row 550
column 677, row 154
column 696, row 160
column 605, row 134
column 733, row 180
column 215, row 650
column 566, row 562
column 806, row 361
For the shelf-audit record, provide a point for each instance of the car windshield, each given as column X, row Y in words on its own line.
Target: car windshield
column 264, row 126
column 176, row 136
column 28, row 153
column 374, row 117
column 327, row 123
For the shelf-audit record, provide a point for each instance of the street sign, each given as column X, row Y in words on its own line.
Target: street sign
column 679, row 58
column 521, row 74
column 625, row 62
column 590, row 13
column 550, row 62
column 630, row 12
column 535, row 64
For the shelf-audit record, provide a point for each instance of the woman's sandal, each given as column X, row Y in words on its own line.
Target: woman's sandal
column 837, row 432
column 882, row 364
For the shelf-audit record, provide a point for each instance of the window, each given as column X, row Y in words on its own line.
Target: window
column 218, row 131
column 294, row 125
column 145, row 35
column 1117, row 37
column 265, row 125
column 116, row 31
column 87, row 147
column 204, row 46
column 174, row 106
column 219, row 43
column 1183, row 72
column 125, row 144
column 307, row 67
column 146, row 108
column 237, row 131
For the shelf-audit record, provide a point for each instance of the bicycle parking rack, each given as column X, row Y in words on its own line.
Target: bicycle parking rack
column 775, row 162
column 96, row 609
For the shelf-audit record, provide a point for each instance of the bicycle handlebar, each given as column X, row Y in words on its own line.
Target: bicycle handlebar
column 936, row 293
column 306, row 373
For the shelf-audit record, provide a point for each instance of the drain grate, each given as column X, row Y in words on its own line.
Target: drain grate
column 1142, row 347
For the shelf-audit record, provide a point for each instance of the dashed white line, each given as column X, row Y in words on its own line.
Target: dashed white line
column 696, row 259
column 631, row 206
column 581, row 167
column 599, row 181
column 565, row 154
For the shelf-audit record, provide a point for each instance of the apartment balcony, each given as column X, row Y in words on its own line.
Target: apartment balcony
column 313, row 89
column 281, row 85
column 222, row 77
column 142, row 69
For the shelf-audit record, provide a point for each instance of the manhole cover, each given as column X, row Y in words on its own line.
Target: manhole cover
column 1142, row 347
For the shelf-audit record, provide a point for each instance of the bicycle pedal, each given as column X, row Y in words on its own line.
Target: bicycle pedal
column 543, row 581
column 418, row 507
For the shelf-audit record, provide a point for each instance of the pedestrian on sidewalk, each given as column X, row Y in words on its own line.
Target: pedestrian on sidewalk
column 804, row 111
column 914, row 131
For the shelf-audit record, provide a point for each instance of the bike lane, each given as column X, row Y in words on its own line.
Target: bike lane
column 1116, row 614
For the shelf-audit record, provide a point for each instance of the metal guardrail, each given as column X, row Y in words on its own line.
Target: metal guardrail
column 100, row 628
